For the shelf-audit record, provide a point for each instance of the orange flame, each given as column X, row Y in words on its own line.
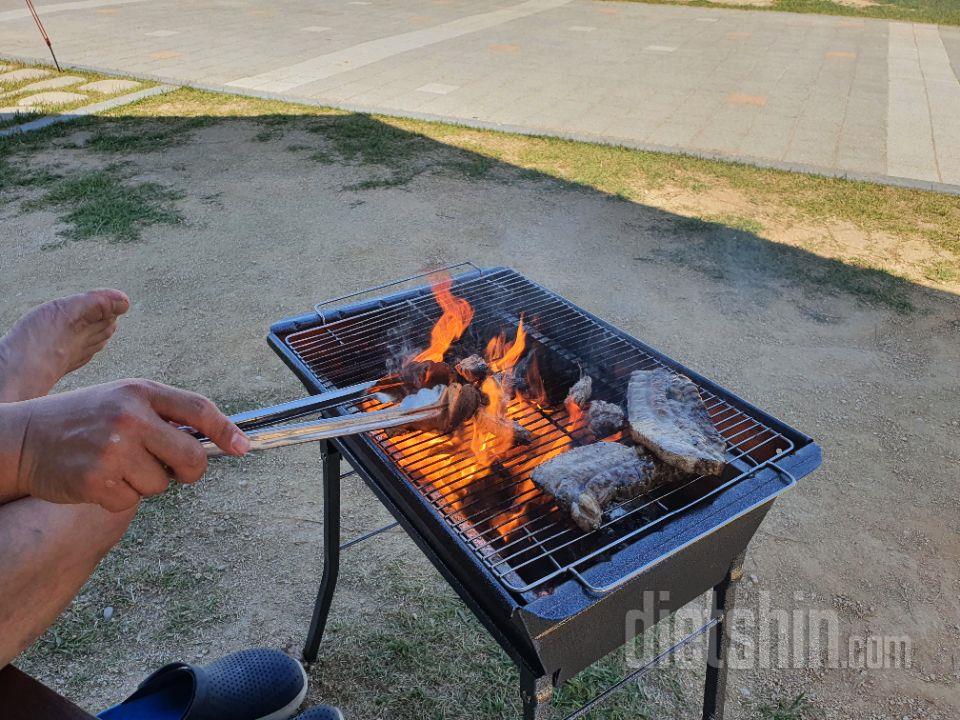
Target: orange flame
column 501, row 358
column 493, row 432
column 459, row 460
column 536, row 391
column 457, row 314
column 574, row 413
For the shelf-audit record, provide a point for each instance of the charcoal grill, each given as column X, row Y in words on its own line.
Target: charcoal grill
column 554, row 597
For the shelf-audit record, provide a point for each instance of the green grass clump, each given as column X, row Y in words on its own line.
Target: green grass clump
column 366, row 140
column 796, row 709
column 100, row 204
column 132, row 138
column 14, row 176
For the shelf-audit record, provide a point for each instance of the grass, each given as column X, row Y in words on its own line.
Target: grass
column 100, row 203
column 429, row 639
column 729, row 248
column 122, row 137
column 15, row 177
column 797, row 708
column 394, row 152
column 941, row 12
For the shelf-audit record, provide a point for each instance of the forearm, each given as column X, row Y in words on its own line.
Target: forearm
column 14, row 419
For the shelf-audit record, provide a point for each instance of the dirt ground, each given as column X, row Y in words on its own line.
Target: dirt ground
column 267, row 232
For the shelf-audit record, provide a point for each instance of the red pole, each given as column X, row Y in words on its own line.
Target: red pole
column 46, row 38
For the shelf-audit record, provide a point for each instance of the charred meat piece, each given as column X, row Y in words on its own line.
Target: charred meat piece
column 540, row 377
column 459, row 404
column 497, row 425
column 426, row 373
column 580, row 392
column 604, row 418
column 520, row 375
column 473, row 368
column 586, row 480
column 413, row 376
column 667, row 416
column 463, row 401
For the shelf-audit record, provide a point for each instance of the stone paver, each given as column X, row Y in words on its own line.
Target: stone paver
column 108, row 87
column 51, row 98
column 841, row 95
column 437, row 88
column 18, row 76
column 54, row 83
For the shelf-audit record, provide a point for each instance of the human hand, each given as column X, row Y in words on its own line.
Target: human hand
column 114, row 444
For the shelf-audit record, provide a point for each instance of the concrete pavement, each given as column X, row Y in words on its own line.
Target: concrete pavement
column 864, row 98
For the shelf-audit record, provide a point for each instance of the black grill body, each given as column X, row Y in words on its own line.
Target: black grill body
column 555, row 630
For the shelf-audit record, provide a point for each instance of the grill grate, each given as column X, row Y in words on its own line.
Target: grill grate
column 517, row 531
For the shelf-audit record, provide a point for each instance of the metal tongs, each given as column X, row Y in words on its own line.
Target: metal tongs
column 426, row 404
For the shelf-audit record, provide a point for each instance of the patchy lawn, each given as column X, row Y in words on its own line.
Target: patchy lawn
column 880, row 235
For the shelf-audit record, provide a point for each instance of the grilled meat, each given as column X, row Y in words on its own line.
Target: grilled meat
column 667, row 416
column 604, row 418
column 473, row 368
column 497, row 425
column 460, row 403
column 580, row 392
column 586, row 480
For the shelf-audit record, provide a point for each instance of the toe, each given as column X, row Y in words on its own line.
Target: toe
column 102, row 305
column 94, row 345
column 103, row 333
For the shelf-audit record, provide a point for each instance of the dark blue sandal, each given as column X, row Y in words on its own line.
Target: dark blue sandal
column 321, row 712
column 257, row 684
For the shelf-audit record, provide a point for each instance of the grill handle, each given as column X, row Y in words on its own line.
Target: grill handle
column 392, row 283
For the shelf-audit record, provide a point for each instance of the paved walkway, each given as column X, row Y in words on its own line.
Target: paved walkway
column 860, row 97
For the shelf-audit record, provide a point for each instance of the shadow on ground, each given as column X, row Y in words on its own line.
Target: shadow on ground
column 106, row 201
column 217, row 226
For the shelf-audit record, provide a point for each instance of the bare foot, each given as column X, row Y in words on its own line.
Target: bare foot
column 54, row 339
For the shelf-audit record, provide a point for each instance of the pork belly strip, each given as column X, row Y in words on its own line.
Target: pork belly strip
column 667, row 416
column 587, row 480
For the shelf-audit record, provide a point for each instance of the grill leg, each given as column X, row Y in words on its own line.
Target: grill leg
column 715, row 686
column 330, row 462
column 536, row 693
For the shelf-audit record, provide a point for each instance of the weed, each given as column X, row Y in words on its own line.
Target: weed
column 100, row 204
column 126, row 138
column 795, row 709
column 366, row 140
